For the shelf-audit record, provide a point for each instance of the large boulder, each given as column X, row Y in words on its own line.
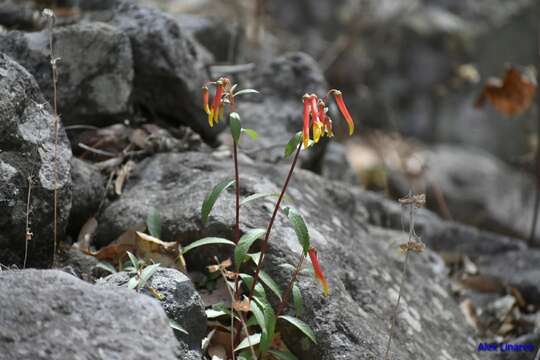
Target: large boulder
column 49, row 314
column 179, row 300
column 170, row 67
column 95, row 70
column 30, row 162
column 361, row 260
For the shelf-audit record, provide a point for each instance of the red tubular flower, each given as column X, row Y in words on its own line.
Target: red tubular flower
column 318, row 271
column 214, row 113
column 307, row 111
column 326, row 121
column 317, row 124
column 338, row 96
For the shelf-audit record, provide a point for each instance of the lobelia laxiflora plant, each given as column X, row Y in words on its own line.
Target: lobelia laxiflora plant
column 253, row 321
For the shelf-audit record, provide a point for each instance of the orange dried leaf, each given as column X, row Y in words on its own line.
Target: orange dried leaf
column 510, row 96
column 243, row 305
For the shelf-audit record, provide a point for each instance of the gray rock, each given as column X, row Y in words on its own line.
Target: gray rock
column 169, row 67
column 180, row 301
column 27, row 149
column 524, row 272
column 48, row 314
column 336, row 166
column 478, row 189
column 362, row 265
column 88, row 192
column 95, row 71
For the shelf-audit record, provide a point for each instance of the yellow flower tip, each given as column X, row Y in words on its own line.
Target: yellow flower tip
column 317, row 131
column 207, row 109
column 326, row 288
column 210, row 118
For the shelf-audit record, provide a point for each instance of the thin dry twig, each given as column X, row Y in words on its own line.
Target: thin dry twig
column 413, row 202
column 29, row 234
column 54, row 60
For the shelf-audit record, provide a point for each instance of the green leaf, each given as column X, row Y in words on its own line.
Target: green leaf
column 252, row 339
column 147, row 274
column 255, row 257
column 300, row 228
column 106, row 266
column 300, row 325
column 153, row 223
column 246, row 91
column 212, row 314
column 251, row 133
column 259, row 289
column 245, row 242
column 245, row 355
column 293, row 144
column 206, row 241
column 272, row 285
column 282, row 355
column 133, row 282
column 257, row 196
column 133, row 259
column 258, row 314
column 211, row 198
column 235, row 126
column 269, row 329
column 176, row 326
column 297, row 300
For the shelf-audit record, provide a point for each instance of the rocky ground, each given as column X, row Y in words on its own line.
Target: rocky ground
column 134, row 139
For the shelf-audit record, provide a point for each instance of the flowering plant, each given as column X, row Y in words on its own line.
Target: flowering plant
column 249, row 306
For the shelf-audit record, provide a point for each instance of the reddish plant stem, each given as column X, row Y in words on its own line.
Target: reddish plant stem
column 287, row 292
column 264, row 246
column 237, row 183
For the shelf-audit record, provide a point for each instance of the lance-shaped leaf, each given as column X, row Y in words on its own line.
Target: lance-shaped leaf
column 300, row 228
column 282, row 355
column 153, row 223
column 258, row 314
column 272, row 285
column 236, row 126
column 245, row 242
column 251, row 340
column 258, row 196
column 293, row 144
column 269, row 329
column 297, row 300
column 212, row 197
column 300, row 325
column 251, row 133
column 147, row 274
column 207, row 241
column 246, row 91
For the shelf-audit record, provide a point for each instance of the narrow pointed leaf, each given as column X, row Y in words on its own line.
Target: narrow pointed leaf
column 212, row 314
column 206, row 241
column 252, row 339
column 297, row 300
column 153, row 223
column 300, row 325
column 251, row 133
column 293, row 144
column 106, row 266
column 176, row 326
column 133, row 259
column 212, row 197
column 246, row 91
column 132, row 283
column 300, row 228
column 257, row 196
column 255, row 257
column 269, row 329
column 147, row 274
column 236, row 126
column 245, row 242
column 282, row 355
column 272, row 285
column 258, row 314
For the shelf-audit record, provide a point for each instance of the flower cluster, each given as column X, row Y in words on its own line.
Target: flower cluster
column 316, row 110
column 221, row 97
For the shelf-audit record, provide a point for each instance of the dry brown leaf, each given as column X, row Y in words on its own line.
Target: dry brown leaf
column 482, row 283
column 86, row 234
column 469, row 311
column 510, row 96
column 122, row 175
column 116, row 251
column 243, row 305
column 166, row 253
column 222, row 266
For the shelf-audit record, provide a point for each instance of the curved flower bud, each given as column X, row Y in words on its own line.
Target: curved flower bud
column 205, row 99
column 338, row 96
column 307, row 111
column 216, row 104
column 318, row 271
